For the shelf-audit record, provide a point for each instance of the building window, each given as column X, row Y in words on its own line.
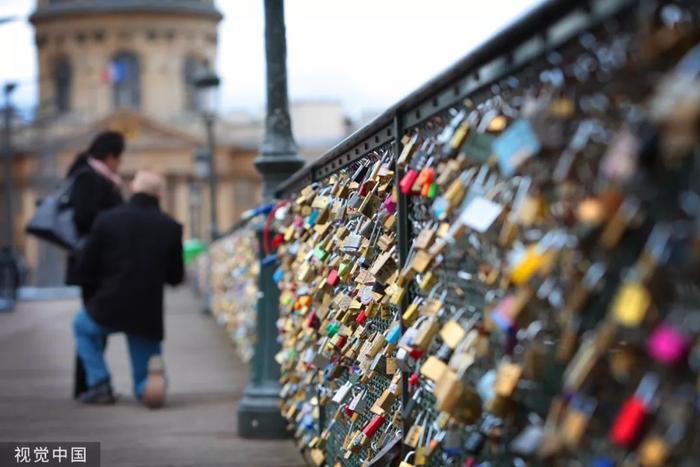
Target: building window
column 125, row 76
column 191, row 67
column 62, row 83
column 40, row 41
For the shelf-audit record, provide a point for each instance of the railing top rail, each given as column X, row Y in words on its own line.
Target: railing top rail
column 533, row 24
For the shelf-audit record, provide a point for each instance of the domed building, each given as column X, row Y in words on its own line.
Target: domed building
column 128, row 65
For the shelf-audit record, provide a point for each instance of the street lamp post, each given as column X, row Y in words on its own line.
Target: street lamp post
column 258, row 414
column 200, row 165
column 207, row 83
column 9, row 276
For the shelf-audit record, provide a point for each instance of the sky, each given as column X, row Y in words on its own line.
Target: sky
column 367, row 54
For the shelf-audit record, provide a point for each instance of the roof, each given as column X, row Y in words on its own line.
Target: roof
column 60, row 8
column 141, row 131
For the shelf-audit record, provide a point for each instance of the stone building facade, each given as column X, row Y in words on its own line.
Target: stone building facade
column 127, row 65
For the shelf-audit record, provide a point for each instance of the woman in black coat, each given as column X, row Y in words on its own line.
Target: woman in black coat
column 96, row 188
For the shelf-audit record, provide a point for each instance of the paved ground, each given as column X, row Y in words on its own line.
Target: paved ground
column 198, row 427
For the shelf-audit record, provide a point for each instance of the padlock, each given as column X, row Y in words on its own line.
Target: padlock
column 373, row 425
column 409, row 148
column 408, row 180
column 576, row 420
column 414, row 434
column 318, row 457
column 668, row 345
column 411, row 313
column 433, row 368
column 342, row 393
column 628, row 423
column 421, row 261
column 427, row 331
column 631, row 303
column 507, row 378
column 452, row 333
column 405, row 462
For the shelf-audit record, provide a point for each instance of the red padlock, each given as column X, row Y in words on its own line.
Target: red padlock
column 373, row 425
column 348, row 411
column 311, row 320
column 365, row 188
column 277, row 240
column 407, row 181
column 628, row 424
column 361, row 317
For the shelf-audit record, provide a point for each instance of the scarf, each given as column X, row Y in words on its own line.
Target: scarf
column 102, row 169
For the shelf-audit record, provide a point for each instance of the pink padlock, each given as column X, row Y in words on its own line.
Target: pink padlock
column 667, row 345
column 390, row 204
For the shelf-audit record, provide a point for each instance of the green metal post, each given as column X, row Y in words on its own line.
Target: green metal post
column 258, row 414
column 9, row 280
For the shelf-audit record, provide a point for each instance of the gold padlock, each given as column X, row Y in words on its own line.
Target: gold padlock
column 574, row 426
column 414, row 433
column 654, row 451
column 507, row 378
column 405, row 462
column 427, row 332
column 421, row 261
column 448, row 390
column 428, row 281
column 630, row 305
column 411, row 314
column 317, row 457
column 398, row 295
column 452, row 334
column 433, row 368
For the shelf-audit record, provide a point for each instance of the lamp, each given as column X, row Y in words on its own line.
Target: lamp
column 206, row 82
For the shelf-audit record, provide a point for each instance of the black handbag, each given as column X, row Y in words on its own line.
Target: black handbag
column 53, row 219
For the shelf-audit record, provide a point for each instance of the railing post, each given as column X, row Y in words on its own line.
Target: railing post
column 9, row 272
column 403, row 240
column 258, row 414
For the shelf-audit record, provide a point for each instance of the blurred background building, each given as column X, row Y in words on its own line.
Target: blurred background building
column 128, row 65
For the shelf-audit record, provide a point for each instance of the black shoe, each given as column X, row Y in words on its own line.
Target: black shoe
column 79, row 382
column 101, row 393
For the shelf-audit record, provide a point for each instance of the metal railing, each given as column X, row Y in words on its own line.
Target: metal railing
column 553, row 35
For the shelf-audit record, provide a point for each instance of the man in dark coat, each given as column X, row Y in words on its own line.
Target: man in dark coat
column 131, row 252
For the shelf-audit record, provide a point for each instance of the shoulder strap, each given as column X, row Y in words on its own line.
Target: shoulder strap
column 74, row 176
column 66, row 187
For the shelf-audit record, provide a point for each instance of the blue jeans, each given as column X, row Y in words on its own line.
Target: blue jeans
column 90, row 338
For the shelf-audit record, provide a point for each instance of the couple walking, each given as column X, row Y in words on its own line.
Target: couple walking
column 131, row 250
